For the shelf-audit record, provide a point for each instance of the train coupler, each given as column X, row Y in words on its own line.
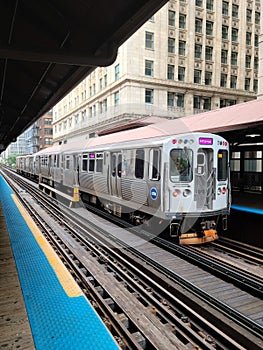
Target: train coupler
column 194, row 238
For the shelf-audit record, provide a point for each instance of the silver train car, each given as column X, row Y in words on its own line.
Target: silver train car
column 175, row 182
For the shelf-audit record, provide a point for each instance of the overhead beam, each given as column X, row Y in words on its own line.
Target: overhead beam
column 103, row 56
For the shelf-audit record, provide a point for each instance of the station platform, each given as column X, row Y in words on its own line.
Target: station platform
column 41, row 306
column 245, row 201
column 245, row 222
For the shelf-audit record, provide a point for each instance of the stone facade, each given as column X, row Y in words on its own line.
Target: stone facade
column 191, row 56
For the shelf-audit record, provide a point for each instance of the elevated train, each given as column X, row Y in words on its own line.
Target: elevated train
column 178, row 181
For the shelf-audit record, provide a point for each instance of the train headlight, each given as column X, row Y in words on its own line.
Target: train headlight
column 219, row 191
column 176, row 193
column 186, row 193
column 223, row 190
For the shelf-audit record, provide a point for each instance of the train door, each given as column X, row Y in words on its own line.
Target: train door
column 116, row 172
column 205, row 179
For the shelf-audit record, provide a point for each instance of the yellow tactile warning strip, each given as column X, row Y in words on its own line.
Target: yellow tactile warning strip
column 69, row 285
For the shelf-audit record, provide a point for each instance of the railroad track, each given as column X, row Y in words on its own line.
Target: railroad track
column 164, row 283
column 253, row 255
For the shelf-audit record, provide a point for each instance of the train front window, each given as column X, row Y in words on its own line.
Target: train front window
column 222, row 157
column 181, row 161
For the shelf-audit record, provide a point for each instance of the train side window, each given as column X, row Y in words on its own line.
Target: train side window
column 119, row 165
column 222, row 157
column 84, row 162
column 139, row 164
column 91, row 162
column 67, row 162
column 113, row 165
column 154, row 170
column 99, row 162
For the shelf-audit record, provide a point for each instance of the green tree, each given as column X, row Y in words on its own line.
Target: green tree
column 11, row 160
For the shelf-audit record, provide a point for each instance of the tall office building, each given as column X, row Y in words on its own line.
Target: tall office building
column 191, row 56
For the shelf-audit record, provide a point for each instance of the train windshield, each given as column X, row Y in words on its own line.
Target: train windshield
column 181, row 164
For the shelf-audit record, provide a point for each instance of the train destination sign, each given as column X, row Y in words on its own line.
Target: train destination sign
column 205, row 141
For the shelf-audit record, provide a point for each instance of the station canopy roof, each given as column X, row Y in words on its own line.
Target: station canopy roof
column 48, row 47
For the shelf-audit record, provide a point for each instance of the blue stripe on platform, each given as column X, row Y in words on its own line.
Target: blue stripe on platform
column 57, row 321
column 247, row 209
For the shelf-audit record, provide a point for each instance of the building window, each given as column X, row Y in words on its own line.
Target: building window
column 197, row 76
column 100, row 84
column 247, row 84
column 255, row 86
column 207, row 103
column 180, row 100
column 208, row 53
column 199, row 3
column 182, row 21
column 105, row 80
column 94, row 110
column 170, row 99
column 248, row 61
column 48, row 141
column 224, row 56
column 225, row 8
column 224, row 32
column 234, row 11
column 171, row 45
column 181, row 73
column 210, row 4
column 149, row 40
column 116, row 98
column 208, row 78
column 149, row 96
column 149, row 68
column 233, row 82
column 248, row 38
column 105, row 104
column 181, row 48
column 209, row 28
column 197, row 102
column 198, row 51
column 249, row 15
column 234, row 34
column 256, row 40
column 117, row 72
column 151, row 19
column 223, row 80
column 47, row 121
column 198, row 25
column 233, row 58
column 170, row 72
column 171, row 18
column 48, row 131
column 100, row 107
column 225, row 103
column 256, row 63
column 257, row 17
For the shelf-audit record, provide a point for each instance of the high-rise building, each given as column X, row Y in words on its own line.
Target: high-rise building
column 45, row 131
column 191, row 56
